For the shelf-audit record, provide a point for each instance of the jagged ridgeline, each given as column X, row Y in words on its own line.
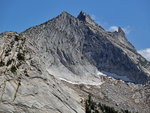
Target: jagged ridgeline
column 53, row 67
column 80, row 47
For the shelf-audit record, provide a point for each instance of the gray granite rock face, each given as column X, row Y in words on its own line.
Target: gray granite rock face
column 80, row 47
column 52, row 67
column 25, row 84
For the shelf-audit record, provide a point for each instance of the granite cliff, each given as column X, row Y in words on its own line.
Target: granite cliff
column 53, row 67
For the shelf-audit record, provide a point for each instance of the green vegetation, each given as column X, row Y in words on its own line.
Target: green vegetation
column 107, row 109
column 23, row 40
column 93, row 107
column 20, row 56
column 13, row 69
column 9, row 62
column 7, row 53
column 16, row 38
column 89, row 105
column 26, row 73
column 20, row 47
column 125, row 111
column 2, row 63
column 12, row 43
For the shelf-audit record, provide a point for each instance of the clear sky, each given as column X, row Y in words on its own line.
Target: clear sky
column 132, row 15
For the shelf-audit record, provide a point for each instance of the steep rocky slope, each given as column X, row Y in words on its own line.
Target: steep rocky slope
column 25, row 85
column 53, row 68
column 80, row 47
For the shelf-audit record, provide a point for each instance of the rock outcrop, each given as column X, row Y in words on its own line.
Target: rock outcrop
column 79, row 47
column 25, row 84
column 53, row 67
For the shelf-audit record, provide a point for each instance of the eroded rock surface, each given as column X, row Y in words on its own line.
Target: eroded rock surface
column 53, row 67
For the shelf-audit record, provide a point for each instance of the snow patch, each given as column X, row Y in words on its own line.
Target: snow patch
column 100, row 73
column 87, row 75
column 83, row 82
column 104, row 73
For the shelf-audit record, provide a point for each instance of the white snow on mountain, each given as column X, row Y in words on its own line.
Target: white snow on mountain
column 124, row 78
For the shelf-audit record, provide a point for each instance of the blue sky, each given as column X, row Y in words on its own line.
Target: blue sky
column 132, row 15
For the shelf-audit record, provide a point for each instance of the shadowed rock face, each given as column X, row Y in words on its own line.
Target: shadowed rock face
column 83, row 48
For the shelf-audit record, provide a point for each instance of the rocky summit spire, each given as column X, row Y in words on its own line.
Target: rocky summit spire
column 120, row 31
column 64, row 14
column 82, row 16
column 85, row 18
